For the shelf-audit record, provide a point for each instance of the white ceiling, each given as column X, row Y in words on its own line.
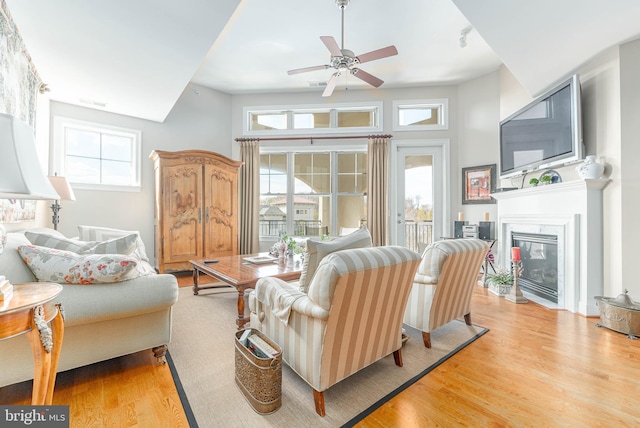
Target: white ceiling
column 137, row 57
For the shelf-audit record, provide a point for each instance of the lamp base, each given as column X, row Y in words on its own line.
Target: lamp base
column 55, row 219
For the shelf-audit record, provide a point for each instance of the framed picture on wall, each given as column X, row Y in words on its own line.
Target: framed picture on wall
column 478, row 182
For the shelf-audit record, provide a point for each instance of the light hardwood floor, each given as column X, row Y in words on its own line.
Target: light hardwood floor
column 536, row 367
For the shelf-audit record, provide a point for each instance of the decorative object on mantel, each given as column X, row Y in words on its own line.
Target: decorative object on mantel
column 550, row 176
column 621, row 314
column 590, row 169
column 515, row 294
column 534, row 182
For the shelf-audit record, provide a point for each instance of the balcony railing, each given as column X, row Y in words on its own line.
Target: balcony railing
column 418, row 235
column 300, row 228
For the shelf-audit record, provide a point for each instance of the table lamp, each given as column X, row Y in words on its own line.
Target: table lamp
column 65, row 193
column 20, row 174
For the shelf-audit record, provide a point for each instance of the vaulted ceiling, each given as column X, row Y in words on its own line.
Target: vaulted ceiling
column 137, row 57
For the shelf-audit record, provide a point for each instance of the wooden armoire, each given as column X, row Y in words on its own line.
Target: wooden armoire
column 196, row 207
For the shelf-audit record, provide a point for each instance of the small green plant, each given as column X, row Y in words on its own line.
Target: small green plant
column 545, row 179
column 534, row 181
column 501, row 277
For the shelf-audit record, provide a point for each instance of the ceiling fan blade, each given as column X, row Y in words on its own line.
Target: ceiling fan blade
column 369, row 78
column 305, row 69
column 377, row 54
column 331, row 84
column 332, row 45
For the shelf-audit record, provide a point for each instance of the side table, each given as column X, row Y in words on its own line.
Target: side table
column 30, row 311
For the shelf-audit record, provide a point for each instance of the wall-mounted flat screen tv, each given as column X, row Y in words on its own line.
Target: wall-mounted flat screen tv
column 547, row 132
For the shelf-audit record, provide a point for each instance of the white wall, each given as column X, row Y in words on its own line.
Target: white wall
column 478, row 118
column 201, row 119
column 630, row 172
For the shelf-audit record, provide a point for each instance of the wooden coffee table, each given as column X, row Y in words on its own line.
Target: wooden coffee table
column 243, row 275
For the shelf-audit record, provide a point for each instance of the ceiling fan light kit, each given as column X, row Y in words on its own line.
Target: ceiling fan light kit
column 345, row 60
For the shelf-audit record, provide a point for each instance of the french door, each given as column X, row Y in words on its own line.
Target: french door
column 419, row 204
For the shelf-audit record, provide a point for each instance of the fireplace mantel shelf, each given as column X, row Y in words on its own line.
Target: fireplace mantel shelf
column 569, row 186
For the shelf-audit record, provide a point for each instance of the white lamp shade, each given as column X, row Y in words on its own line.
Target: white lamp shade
column 62, row 187
column 20, row 174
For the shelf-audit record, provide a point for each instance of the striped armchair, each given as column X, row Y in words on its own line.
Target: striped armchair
column 443, row 286
column 350, row 317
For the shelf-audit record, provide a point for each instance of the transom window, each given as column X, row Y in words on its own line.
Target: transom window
column 325, row 193
column 420, row 115
column 321, row 119
column 96, row 156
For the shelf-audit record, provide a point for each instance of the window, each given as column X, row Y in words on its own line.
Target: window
column 420, row 115
column 96, row 156
column 356, row 117
column 325, row 192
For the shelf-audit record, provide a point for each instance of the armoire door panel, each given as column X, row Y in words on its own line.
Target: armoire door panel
column 183, row 198
column 221, row 211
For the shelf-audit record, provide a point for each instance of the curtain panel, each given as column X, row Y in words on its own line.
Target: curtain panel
column 249, row 197
column 377, row 199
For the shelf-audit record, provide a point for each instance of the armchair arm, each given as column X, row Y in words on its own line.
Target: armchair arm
column 281, row 297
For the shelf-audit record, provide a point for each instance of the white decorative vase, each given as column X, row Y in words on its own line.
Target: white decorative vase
column 590, row 169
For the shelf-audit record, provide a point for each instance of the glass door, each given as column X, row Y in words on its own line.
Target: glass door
column 418, row 190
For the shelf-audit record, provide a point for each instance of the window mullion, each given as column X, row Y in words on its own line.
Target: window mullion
column 290, row 192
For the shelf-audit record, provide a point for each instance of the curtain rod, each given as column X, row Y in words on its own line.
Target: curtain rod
column 243, row 139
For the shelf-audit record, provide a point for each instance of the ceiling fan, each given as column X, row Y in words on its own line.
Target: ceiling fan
column 344, row 60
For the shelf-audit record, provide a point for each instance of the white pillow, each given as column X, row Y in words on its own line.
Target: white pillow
column 316, row 250
column 52, row 265
column 96, row 233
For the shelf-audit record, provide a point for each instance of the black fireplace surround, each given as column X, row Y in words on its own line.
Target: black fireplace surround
column 539, row 255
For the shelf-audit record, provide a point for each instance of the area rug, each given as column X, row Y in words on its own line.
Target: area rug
column 202, row 359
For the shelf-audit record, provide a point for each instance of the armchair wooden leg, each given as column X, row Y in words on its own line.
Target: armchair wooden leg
column 397, row 356
column 160, row 352
column 426, row 338
column 467, row 318
column 318, row 399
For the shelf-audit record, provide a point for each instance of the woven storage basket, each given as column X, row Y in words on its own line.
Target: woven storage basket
column 259, row 379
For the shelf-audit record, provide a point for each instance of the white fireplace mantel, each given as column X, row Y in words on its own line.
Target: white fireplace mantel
column 574, row 210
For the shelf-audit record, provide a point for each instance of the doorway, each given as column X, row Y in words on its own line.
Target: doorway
column 418, row 205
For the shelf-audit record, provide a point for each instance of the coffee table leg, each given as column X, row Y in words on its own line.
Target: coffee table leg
column 196, row 280
column 241, row 321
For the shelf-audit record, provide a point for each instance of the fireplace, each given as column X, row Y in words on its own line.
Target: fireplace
column 559, row 229
column 539, row 255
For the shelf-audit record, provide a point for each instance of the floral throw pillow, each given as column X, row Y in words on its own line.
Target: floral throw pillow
column 52, row 265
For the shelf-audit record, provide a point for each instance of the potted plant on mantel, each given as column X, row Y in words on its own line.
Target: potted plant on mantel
column 534, row 182
column 500, row 282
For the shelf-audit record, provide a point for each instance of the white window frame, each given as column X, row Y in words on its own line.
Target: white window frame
column 442, row 104
column 60, row 124
column 321, row 148
column 306, row 108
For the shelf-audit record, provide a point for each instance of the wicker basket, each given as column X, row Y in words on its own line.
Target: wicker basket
column 259, row 379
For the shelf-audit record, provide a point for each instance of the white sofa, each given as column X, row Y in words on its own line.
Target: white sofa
column 102, row 321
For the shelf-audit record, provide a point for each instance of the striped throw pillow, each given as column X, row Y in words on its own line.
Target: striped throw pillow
column 58, row 242
column 122, row 245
